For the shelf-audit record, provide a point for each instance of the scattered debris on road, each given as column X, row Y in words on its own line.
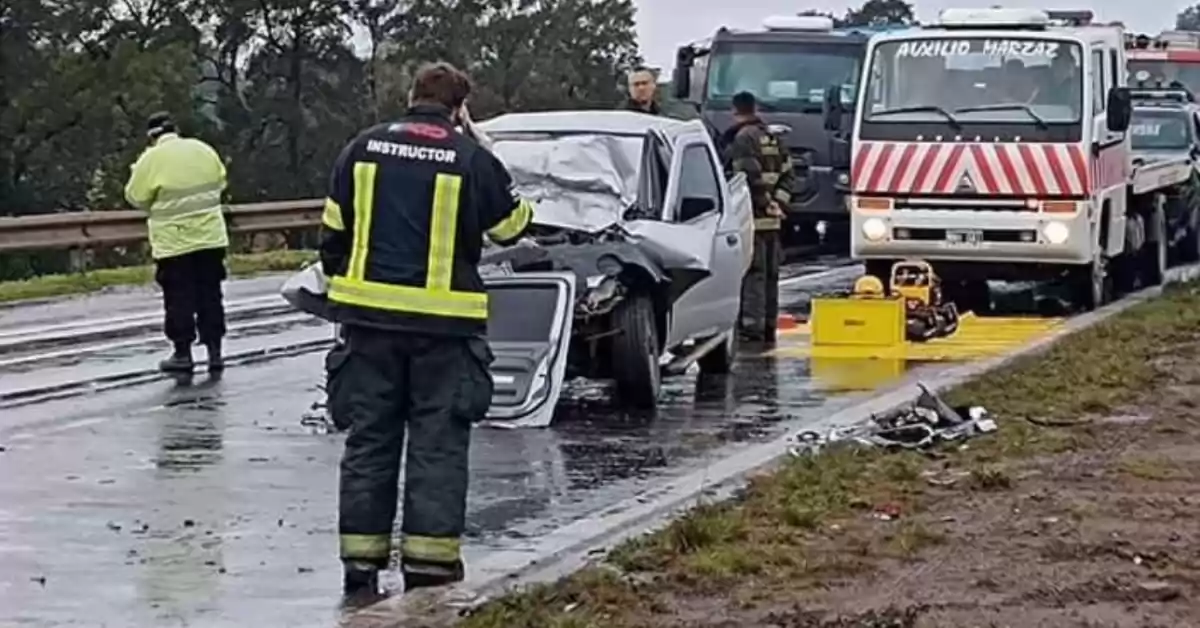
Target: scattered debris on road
column 927, row 422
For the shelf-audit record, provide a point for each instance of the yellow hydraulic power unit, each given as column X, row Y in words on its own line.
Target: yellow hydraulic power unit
column 911, row 310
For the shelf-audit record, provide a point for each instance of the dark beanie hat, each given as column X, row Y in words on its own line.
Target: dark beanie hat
column 158, row 123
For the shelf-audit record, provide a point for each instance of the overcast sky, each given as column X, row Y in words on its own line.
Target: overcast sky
column 665, row 24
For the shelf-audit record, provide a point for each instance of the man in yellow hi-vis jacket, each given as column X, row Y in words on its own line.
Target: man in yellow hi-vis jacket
column 179, row 182
column 409, row 204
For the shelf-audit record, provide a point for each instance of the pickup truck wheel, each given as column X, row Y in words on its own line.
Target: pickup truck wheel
column 719, row 361
column 635, row 353
column 1154, row 253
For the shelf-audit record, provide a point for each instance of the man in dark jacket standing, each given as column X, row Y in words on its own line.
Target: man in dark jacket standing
column 408, row 206
column 642, row 86
column 749, row 147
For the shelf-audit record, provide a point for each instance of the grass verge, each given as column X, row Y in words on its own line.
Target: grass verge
column 45, row 286
column 788, row 530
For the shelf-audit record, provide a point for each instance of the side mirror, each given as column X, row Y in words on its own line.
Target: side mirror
column 1120, row 109
column 681, row 76
column 693, row 206
column 833, row 108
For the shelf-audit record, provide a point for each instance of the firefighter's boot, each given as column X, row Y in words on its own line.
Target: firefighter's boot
column 180, row 361
column 216, row 362
column 421, row 574
column 360, row 584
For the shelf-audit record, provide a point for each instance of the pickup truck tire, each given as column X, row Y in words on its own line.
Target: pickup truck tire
column 1154, row 253
column 719, row 361
column 635, row 353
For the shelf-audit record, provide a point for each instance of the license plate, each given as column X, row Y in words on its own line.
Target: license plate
column 968, row 237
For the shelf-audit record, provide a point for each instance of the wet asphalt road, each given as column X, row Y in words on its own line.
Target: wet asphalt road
column 211, row 505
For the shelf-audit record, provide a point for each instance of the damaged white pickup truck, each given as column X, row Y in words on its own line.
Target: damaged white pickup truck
column 633, row 266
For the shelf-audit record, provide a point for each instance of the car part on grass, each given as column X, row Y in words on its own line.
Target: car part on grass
column 928, row 422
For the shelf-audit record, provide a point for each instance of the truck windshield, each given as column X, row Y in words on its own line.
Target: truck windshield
column 782, row 76
column 1007, row 80
column 1160, row 130
column 1164, row 73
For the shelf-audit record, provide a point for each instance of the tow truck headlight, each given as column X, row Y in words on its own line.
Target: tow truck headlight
column 1056, row 232
column 874, row 229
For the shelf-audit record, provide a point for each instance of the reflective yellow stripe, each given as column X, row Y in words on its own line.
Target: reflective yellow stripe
column 443, row 225
column 368, row 546
column 332, row 216
column 512, row 226
column 766, row 224
column 430, row 549
column 408, row 299
column 364, row 203
column 783, row 196
column 770, row 178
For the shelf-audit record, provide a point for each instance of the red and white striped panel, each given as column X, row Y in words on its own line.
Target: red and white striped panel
column 1109, row 169
column 1032, row 170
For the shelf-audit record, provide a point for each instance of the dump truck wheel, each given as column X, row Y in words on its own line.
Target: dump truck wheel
column 635, row 353
column 719, row 361
column 1154, row 253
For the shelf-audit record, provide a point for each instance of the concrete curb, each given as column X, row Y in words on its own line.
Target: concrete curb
column 571, row 547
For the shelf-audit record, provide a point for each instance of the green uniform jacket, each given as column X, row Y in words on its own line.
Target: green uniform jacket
column 179, row 181
column 752, row 149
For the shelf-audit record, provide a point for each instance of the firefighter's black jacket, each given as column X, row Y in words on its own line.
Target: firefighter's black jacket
column 409, row 203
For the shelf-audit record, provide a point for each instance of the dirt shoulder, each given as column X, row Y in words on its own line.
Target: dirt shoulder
column 46, row 286
column 1080, row 511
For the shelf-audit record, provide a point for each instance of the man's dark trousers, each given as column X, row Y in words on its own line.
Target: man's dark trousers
column 387, row 385
column 760, row 289
column 191, row 285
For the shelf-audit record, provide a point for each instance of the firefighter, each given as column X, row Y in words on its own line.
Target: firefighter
column 178, row 181
column 642, row 86
column 409, row 204
column 751, row 148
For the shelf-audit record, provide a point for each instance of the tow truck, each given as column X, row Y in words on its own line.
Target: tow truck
column 788, row 65
column 993, row 144
column 1160, row 60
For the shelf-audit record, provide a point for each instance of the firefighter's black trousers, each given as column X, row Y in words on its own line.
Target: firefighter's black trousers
column 760, row 288
column 389, row 385
column 191, row 286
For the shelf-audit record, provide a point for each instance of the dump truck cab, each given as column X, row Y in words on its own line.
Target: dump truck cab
column 992, row 144
column 789, row 65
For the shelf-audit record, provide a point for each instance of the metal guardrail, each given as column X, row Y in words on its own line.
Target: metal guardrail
column 70, row 230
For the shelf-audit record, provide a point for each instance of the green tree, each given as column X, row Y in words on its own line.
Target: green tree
column 881, row 12
column 1188, row 19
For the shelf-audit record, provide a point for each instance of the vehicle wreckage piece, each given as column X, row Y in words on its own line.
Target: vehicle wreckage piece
column 912, row 310
column 529, row 328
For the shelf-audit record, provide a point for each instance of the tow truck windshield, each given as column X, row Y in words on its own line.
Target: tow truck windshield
column 971, row 80
column 782, row 76
column 1161, row 130
column 1165, row 72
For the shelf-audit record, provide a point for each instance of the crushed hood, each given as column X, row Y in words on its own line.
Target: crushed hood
column 582, row 182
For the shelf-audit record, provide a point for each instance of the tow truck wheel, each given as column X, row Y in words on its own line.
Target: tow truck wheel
column 1091, row 285
column 1154, row 252
column 635, row 353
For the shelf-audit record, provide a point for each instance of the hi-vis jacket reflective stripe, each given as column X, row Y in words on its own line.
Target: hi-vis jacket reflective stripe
column 408, row 206
column 179, row 182
column 378, row 547
column 750, row 147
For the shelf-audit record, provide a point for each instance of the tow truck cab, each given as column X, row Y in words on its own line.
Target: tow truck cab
column 993, row 145
column 792, row 66
column 1163, row 59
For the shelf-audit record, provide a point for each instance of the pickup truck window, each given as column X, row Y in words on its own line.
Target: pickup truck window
column 698, row 178
column 1165, row 130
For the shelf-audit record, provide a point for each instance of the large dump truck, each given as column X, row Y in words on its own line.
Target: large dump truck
column 993, row 144
column 788, row 65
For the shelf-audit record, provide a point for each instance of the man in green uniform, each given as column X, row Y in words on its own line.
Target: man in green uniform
column 750, row 147
column 409, row 204
column 179, row 182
